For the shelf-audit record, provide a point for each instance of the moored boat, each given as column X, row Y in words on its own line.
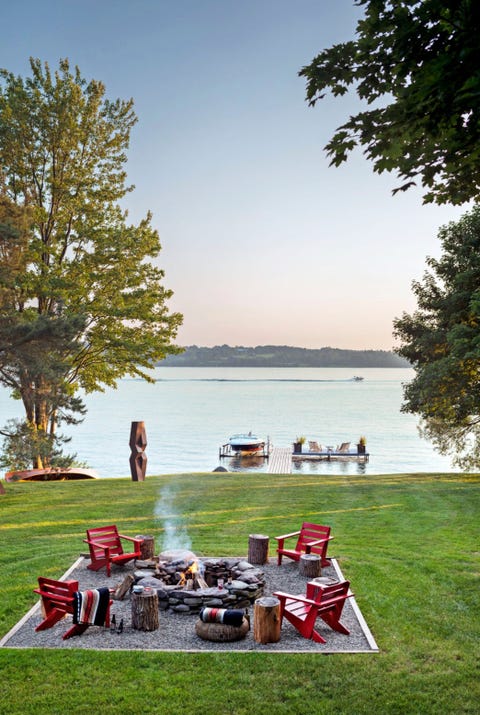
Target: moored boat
column 246, row 443
column 50, row 475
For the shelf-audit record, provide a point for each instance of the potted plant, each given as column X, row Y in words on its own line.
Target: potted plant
column 361, row 445
column 297, row 445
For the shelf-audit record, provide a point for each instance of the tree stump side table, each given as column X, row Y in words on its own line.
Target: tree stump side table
column 258, row 549
column 145, row 611
column 266, row 620
column 147, row 547
column 310, row 565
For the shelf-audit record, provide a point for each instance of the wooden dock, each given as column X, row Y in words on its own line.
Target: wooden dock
column 280, row 461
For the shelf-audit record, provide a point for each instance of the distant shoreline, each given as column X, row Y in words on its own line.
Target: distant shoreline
column 283, row 356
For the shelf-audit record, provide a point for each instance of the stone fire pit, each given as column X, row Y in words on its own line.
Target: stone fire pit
column 186, row 583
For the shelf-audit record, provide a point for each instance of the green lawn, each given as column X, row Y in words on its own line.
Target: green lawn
column 408, row 543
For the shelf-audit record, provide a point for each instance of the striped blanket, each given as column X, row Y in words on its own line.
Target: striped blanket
column 91, row 607
column 227, row 616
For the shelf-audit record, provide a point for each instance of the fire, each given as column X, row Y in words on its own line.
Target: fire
column 191, row 578
column 189, row 574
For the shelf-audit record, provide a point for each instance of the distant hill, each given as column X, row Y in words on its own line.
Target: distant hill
column 281, row 356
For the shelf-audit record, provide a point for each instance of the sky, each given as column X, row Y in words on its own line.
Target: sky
column 262, row 241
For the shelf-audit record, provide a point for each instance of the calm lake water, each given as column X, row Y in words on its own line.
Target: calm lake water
column 190, row 412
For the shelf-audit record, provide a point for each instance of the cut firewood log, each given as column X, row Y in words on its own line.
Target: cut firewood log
column 123, row 588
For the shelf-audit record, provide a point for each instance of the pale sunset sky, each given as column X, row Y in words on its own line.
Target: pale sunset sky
column 263, row 243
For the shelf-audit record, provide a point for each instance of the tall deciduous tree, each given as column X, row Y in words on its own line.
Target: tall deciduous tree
column 86, row 300
column 442, row 341
column 416, row 64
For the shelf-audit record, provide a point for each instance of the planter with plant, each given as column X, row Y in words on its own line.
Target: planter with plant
column 297, row 445
column 361, row 446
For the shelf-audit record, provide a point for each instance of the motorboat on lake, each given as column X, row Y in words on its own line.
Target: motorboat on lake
column 357, row 378
column 246, row 444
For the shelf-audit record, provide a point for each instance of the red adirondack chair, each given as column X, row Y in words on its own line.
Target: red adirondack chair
column 106, row 548
column 312, row 539
column 325, row 602
column 58, row 598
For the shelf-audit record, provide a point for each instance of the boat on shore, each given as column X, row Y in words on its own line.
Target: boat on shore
column 246, row 444
column 52, row 474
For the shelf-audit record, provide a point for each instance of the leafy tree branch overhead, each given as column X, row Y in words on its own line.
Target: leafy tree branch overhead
column 416, row 66
column 82, row 302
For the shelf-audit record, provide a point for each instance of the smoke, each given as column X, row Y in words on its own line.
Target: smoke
column 175, row 532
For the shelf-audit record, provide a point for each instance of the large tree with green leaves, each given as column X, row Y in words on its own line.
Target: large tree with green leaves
column 416, row 66
column 82, row 301
column 442, row 341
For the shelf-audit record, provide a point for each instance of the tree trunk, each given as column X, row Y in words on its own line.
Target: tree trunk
column 147, row 547
column 310, row 565
column 266, row 620
column 258, row 549
column 145, row 611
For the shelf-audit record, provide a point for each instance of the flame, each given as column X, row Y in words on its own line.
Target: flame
column 189, row 573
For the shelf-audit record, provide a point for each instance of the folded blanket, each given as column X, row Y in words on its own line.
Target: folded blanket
column 91, row 607
column 227, row 616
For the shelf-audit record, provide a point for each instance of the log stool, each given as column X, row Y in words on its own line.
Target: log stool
column 220, row 632
column 145, row 611
column 266, row 620
column 257, row 549
column 310, row 565
column 147, row 547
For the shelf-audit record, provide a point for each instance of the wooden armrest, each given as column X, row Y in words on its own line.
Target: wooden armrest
column 130, row 538
column 318, row 541
column 291, row 597
column 98, row 546
column 53, row 596
column 335, row 599
column 286, row 536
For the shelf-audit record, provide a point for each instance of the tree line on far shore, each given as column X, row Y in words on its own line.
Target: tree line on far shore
column 281, row 356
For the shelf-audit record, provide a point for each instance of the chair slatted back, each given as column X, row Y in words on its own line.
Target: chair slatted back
column 106, row 536
column 312, row 532
column 327, row 595
column 57, row 593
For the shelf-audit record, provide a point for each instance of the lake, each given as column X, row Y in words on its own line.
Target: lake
column 190, row 412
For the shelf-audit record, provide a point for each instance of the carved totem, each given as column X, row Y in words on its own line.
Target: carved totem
column 138, row 458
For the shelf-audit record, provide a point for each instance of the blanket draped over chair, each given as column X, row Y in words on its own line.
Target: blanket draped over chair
column 90, row 607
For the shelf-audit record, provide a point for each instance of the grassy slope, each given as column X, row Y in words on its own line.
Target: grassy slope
column 408, row 543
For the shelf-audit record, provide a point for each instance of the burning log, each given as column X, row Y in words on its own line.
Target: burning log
column 191, row 579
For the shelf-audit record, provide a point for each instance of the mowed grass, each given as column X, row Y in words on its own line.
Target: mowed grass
column 408, row 543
